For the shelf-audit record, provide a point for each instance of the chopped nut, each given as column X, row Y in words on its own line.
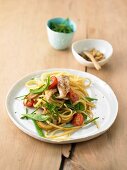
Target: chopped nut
column 95, row 53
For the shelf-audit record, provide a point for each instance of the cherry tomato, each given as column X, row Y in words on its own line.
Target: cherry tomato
column 73, row 96
column 28, row 103
column 54, row 82
column 78, row 119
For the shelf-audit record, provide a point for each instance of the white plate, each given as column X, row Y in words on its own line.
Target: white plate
column 106, row 108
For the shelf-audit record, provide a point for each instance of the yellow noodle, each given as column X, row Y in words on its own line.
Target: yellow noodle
column 33, row 84
column 62, row 134
column 62, row 128
column 78, row 85
column 39, row 101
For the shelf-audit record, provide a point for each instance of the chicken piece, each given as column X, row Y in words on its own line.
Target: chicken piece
column 49, row 93
column 44, row 126
column 31, row 96
column 63, row 86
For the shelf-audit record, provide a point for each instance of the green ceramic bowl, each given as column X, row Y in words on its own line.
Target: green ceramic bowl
column 60, row 40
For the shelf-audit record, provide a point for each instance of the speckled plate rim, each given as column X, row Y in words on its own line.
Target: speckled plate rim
column 79, row 139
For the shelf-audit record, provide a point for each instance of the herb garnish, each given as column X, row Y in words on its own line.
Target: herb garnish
column 78, row 107
column 25, row 117
column 90, row 99
column 90, row 120
column 63, row 27
column 38, row 117
column 53, row 108
column 21, row 96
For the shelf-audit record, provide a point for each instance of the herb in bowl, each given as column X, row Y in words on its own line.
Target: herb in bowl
column 63, row 27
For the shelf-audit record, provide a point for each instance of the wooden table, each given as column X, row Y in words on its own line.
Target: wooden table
column 24, row 48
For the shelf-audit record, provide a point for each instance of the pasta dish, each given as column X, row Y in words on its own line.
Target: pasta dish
column 61, row 104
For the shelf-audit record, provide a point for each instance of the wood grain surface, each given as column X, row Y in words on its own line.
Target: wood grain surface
column 24, row 48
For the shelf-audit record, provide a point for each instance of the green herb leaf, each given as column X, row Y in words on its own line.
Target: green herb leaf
column 26, row 112
column 54, row 97
column 37, row 91
column 43, row 88
column 53, row 109
column 69, row 104
column 89, row 121
column 24, row 117
column 38, row 129
column 85, row 116
column 90, row 99
column 64, row 27
column 38, row 117
column 21, row 96
column 79, row 106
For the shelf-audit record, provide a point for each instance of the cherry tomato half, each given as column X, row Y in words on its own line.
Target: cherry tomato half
column 54, row 82
column 73, row 96
column 28, row 103
column 78, row 119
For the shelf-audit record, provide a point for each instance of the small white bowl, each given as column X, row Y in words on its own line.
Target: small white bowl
column 88, row 44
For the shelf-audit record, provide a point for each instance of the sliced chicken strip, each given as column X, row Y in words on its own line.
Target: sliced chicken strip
column 31, row 96
column 63, row 86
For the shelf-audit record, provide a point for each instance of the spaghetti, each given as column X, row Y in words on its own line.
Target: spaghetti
column 62, row 104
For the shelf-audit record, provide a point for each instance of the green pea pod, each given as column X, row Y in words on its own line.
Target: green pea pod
column 38, row 129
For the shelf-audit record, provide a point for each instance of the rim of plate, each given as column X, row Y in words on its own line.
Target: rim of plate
column 79, row 139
